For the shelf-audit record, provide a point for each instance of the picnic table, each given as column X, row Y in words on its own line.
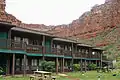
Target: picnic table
column 42, row 75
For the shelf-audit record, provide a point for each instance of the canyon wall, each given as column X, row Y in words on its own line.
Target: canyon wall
column 91, row 23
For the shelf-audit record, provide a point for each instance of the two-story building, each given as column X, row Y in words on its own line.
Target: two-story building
column 22, row 50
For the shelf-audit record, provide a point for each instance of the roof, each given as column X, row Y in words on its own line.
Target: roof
column 6, row 23
column 64, row 40
column 86, row 45
column 97, row 48
column 31, row 31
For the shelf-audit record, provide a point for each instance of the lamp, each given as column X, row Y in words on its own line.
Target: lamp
column 93, row 53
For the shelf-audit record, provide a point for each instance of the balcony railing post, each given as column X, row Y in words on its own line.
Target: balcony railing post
column 43, row 44
column 101, row 61
column 72, row 56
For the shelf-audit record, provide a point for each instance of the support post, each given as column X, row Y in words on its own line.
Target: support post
column 13, row 65
column 24, row 71
column 8, row 65
column 63, row 65
column 72, row 64
column 85, row 66
column 90, row 53
column 101, row 60
column 20, row 64
column 29, row 63
column 96, row 63
column 81, row 65
column 57, row 65
column 72, row 56
column 9, row 41
column 51, row 45
column 43, row 44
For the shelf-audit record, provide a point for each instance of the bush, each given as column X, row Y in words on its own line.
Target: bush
column 117, row 65
column 48, row 66
column 76, row 67
column 1, row 71
column 92, row 66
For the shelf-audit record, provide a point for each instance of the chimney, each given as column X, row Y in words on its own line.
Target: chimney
column 2, row 5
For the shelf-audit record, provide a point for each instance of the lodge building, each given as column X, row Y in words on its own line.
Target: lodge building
column 22, row 50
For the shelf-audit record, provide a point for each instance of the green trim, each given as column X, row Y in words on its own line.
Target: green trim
column 68, row 57
column 32, row 54
column 52, row 55
column 92, row 59
column 88, row 58
column 79, row 58
column 12, row 51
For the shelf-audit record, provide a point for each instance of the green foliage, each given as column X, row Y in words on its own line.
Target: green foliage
column 48, row 66
column 1, row 70
column 92, row 66
column 76, row 67
column 117, row 65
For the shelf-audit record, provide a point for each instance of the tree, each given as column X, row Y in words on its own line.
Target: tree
column 76, row 67
column 48, row 66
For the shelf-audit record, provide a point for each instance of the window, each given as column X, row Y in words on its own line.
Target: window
column 83, row 51
column 39, row 62
column 58, row 46
column 34, row 62
column 79, row 50
column 65, row 47
column 25, row 40
column 54, row 46
column 70, row 48
column 35, row 42
column 17, row 62
column 23, row 62
column 86, row 51
column 18, row 39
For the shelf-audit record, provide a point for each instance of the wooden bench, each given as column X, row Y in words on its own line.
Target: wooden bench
column 32, row 77
column 53, row 77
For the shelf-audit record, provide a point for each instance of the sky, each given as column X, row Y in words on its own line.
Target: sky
column 49, row 12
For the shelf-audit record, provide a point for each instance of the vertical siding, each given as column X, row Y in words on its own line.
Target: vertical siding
column 48, row 45
column 3, row 43
column 3, row 35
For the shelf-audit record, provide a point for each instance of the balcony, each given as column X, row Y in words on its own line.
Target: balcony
column 34, row 48
column 77, row 54
column 67, row 53
column 5, row 44
column 17, row 45
column 59, row 51
column 11, row 44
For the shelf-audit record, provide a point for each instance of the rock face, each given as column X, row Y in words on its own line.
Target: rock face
column 100, row 18
column 5, row 17
column 90, row 24
column 100, row 26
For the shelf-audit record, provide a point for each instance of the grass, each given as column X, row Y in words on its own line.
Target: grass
column 91, row 75
column 14, row 78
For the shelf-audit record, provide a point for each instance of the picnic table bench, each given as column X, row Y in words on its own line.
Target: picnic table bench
column 42, row 75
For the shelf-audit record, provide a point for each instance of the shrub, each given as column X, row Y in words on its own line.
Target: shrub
column 48, row 66
column 76, row 67
column 92, row 66
column 1, row 71
column 117, row 65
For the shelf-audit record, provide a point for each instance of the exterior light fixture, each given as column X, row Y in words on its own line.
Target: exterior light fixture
column 93, row 53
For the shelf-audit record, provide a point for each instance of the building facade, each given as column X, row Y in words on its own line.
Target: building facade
column 22, row 50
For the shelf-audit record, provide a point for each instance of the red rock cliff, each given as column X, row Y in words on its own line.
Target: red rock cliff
column 101, row 17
